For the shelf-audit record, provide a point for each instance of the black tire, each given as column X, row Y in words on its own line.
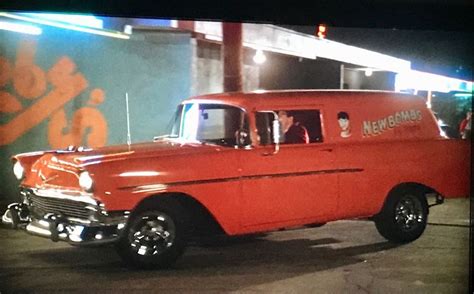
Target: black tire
column 404, row 216
column 153, row 238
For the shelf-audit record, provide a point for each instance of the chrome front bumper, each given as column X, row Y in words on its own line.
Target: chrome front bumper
column 100, row 228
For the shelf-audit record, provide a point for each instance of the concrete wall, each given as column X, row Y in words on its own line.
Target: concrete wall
column 208, row 69
column 379, row 80
column 68, row 88
column 287, row 72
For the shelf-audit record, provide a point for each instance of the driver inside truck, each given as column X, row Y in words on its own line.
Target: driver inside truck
column 294, row 132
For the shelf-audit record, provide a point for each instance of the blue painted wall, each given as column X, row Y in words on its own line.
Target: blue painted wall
column 154, row 68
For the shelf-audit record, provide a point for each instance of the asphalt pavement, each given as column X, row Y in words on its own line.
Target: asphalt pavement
column 340, row 257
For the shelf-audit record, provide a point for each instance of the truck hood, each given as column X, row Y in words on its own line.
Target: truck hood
column 133, row 151
column 60, row 168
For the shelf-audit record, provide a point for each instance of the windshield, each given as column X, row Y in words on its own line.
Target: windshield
column 210, row 123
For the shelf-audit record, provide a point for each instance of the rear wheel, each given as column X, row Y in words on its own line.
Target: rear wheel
column 404, row 216
column 153, row 239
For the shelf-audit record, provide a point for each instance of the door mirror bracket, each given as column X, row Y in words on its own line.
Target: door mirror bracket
column 276, row 134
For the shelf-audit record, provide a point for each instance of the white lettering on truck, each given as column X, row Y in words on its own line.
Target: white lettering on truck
column 379, row 126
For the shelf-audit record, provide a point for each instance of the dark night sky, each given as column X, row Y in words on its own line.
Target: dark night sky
column 442, row 52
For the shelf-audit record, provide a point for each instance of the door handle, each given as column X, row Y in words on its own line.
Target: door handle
column 327, row 150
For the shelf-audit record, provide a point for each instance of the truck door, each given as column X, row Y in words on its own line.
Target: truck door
column 297, row 184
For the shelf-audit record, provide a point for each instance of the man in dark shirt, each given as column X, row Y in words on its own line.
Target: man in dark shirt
column 294, row 132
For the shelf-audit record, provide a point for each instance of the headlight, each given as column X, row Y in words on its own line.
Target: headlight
column 85, row 181
column 18, row 170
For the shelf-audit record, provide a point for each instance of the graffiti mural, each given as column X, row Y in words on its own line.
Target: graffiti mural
column 36, row 95
column 65, row 88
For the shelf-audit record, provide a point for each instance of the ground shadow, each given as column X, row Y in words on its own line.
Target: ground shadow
column 227, row 263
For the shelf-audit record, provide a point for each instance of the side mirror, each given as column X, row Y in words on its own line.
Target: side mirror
column 275, row 130
column 276, row 133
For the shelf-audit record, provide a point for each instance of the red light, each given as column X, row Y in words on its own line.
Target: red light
column 322, row 31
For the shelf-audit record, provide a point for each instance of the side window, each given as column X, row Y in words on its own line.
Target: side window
column 311, row 119
column 264, row 127
column 296, row 126
column 219, row 124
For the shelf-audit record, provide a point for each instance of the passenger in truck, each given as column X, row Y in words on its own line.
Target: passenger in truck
column 294, row 131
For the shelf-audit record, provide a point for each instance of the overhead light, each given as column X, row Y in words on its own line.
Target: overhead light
column 75, row 19
column 463, row 95
column 128, row 29
column 368, row 72
column 259, row 57
column 358, row 56
column 20, row 28
column 105, row 33
column 174, row 23
column 427, row 81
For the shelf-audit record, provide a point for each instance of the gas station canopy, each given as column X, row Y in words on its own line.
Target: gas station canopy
column 272, row 38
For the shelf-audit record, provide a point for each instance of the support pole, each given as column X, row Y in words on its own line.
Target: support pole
column 341, row 77
column 232, row 52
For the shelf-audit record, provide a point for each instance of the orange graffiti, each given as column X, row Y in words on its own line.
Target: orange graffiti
column 84, row 119
column 5, row 71
column 31, row 82
column 28, row 79
column 8, row 103
column 97, row 97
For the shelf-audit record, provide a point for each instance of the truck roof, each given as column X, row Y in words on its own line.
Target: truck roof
column 280, row 97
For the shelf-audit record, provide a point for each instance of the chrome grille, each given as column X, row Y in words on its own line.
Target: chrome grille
column 67, row 208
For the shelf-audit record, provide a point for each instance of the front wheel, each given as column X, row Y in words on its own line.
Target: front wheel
column 152, row 239
column 403, row 217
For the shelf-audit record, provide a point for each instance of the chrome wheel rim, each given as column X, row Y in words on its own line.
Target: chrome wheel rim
column 153, row 234
column 409, row 213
